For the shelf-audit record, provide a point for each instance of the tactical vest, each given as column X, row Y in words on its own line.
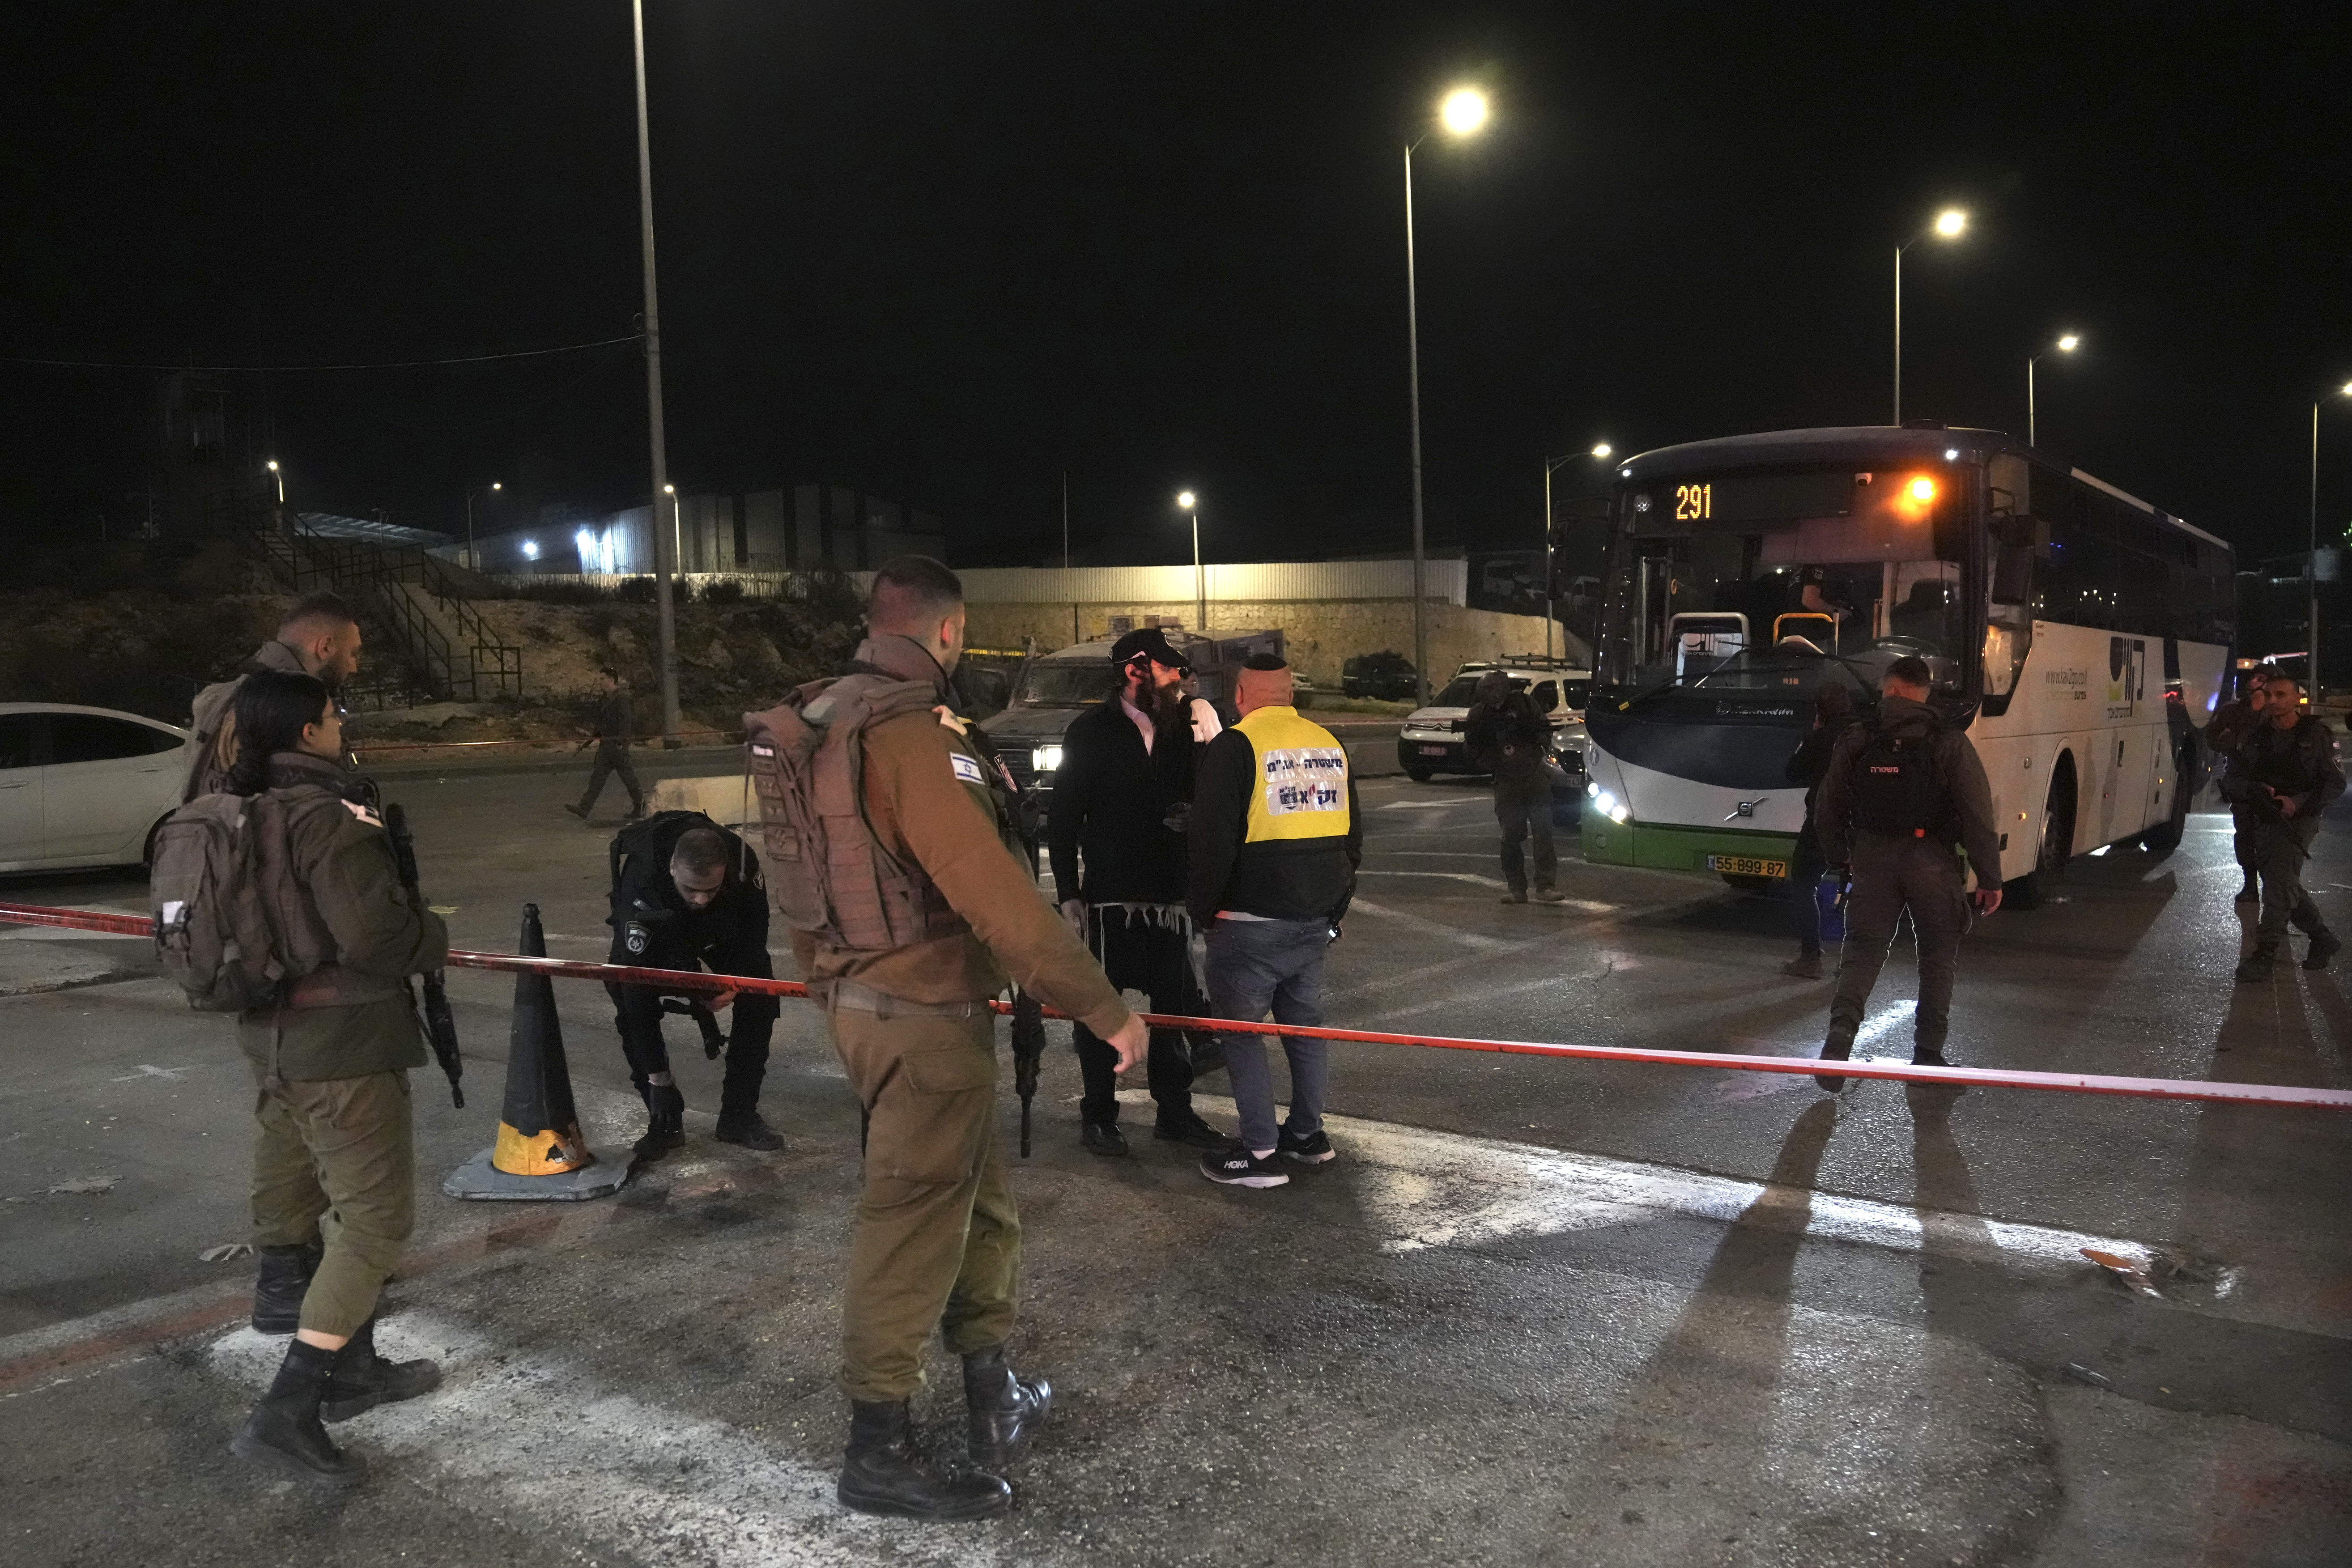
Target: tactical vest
column 1895, row 785
column 2288, row 762
column 827, row 873
column 1302, row 790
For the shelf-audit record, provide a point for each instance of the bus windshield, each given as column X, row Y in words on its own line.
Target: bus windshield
column 1773, row 580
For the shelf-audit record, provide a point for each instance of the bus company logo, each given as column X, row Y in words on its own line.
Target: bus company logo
column 1740, row 808
column 2077, row 681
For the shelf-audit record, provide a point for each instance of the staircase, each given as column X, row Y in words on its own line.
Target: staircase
column 449, row 652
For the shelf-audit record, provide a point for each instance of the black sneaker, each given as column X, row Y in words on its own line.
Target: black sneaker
column 579, row 811
column 1188, row 1129
column 1921, row 1057
column 2324, row 945
column 1833, row 1053
column 1314, row 1149
column 2256, row 967
column 1104, row 1138
column 751, row 1131
column 1236, row 1166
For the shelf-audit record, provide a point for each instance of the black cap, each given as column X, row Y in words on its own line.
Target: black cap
column 1150, row 642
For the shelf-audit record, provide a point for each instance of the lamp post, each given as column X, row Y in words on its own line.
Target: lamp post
column 1462, row 112
column 1949, row 224
column 2064, row 345
column 1551, row 465
column 1189, row 503
column 2311, row 556
column 470, row 494
column 279, row 474
column 665, row 552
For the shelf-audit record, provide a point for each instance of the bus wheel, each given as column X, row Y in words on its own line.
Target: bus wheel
column 2057, row 843
column 2165, row 837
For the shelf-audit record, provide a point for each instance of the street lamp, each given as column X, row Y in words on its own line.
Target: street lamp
column 470, row 494
column 1189, row 503
column 1599, row 453
column 1949, row 224
column 2311, row 556
column 2064, row 345
column 1461, row 112
column 280, row 475
column 665, row 560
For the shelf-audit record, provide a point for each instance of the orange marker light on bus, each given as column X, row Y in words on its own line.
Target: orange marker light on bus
column 1923, row 490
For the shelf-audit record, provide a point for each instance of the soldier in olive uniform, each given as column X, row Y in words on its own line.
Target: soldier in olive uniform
column 937, row 910
column 2283, row 775
column 614, row 724
column 334, row 1168
column 320, row 636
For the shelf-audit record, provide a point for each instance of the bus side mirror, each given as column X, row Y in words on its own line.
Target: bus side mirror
column 2021, row 531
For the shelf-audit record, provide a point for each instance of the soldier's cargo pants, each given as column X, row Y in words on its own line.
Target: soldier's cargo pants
column 335, row 1159
column 2276, row 852
column 613, row 757
column 1523, row 806
column 938, row 1244
column 1891, row 874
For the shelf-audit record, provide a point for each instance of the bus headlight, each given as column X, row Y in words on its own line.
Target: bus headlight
column 1045, row 759
column 1606, row 804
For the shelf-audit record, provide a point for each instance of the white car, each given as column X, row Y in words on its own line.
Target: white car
column 84, row 786
column 1431, row 741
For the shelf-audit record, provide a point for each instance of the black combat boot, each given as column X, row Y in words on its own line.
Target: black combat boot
column 1003, row 1406
column 2250, row 894
column 363, row 1380
column 741, row 1124
column 2324, row 945
column 284, row 1433
column 665, row 1120
column 279, row 1285
column 880, row 1474
column 2258, row 964
column 1833, row 1051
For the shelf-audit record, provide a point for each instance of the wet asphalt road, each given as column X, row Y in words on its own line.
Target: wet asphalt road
column 1540, row 1311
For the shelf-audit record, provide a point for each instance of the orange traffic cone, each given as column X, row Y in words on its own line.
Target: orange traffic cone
column 540, row 1153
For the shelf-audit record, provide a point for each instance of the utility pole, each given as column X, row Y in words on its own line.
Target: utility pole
column 665, row 555
column 1065, row 557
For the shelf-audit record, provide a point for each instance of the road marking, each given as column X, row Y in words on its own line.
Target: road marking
column 1429, row 927
column 1428, row 804
column 548, row 1442
column 1429, row 1189
column 1587, row 906
column 171, row 1074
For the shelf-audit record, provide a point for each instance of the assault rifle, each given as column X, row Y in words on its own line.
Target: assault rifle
column 714, row 1039
column 440, row 1028
column 1028, row 1051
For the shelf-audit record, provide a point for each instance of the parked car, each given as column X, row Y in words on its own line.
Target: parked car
column 1432, row 741
column 84, row 786
column 1385, row 676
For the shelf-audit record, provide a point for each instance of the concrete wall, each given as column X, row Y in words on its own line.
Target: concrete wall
column 1321, row 634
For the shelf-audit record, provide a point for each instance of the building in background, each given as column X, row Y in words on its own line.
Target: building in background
column 752, row 533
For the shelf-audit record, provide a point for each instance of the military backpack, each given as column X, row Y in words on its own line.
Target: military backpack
column 231, row 929
column 1895, row 785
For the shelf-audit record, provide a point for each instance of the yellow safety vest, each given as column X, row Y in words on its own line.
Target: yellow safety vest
column 1302, row 778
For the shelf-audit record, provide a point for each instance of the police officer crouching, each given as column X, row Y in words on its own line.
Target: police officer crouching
column 1903, row 791
column 893, row 866
column 334, row 1165
column 686, row 894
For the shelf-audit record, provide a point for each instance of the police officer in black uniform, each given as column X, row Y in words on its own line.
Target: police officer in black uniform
column 686, row 894
column 2285, row 773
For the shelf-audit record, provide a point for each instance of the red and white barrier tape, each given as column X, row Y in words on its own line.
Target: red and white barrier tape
column 1901, row 1072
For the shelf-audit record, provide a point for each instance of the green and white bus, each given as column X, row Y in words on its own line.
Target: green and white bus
column 2080, row 636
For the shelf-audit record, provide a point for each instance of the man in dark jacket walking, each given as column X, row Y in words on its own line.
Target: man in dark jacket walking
column 614, row 725
column 1121, row 798
column 2284, row 775
column 2234, row 723
column 1832, row 711
column 1903, row 791
column 1508, row 735
column 1276, row 838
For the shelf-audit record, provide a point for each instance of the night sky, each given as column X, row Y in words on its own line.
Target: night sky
column 946, row 252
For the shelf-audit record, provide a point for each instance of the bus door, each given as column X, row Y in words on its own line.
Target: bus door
column 2129, row 743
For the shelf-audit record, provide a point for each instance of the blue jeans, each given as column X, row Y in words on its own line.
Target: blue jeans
column 1254, row 966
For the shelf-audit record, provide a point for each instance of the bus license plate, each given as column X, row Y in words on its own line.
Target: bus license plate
column 1746, row 866
column 1433, row 751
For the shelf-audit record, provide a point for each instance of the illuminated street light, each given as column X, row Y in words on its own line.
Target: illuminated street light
column 279, row 474
column 2064, row 345
column 1949, row 224
column 1600, row 452
column 494, row 486
column 1189, row 503
column 2311, row 559
column 1462, row 112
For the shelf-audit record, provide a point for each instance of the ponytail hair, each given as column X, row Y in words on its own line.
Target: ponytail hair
column 272, row 707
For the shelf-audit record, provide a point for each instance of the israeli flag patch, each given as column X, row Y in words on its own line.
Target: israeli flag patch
column 966, row 769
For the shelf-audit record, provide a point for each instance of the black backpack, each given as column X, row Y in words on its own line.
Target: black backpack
column 1895, row 786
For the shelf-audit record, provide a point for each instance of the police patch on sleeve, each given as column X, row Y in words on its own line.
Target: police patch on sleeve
column 636, row 939
column 966, row 769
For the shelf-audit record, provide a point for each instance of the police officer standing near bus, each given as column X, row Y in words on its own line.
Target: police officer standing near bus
column 686, row 894
column 2283, row 775
column 1903, row 791
column 913, row 918
column 2234, row 724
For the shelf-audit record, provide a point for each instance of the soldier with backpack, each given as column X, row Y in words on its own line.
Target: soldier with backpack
column 281, row 899
column 319, row 637
column 891, row 859
column 1905, row 795
column 686, row 894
